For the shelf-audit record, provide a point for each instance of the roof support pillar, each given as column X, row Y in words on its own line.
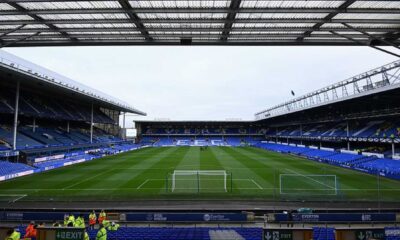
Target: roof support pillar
column 123, row 120
column 348, row 135
column 91, row 124
column 16, row 109
column 393, row 149
column 34, row 125
column 123, row 126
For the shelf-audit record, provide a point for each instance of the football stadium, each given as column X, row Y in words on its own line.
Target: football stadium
column 324, row 165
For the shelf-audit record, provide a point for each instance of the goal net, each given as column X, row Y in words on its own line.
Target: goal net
column 299, row 184
column 195, row 181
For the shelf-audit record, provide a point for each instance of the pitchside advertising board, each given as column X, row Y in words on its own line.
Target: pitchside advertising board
column 132, row 217
column 190, row 217
column 338, row 217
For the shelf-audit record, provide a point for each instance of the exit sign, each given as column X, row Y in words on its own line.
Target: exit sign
column 69, row 234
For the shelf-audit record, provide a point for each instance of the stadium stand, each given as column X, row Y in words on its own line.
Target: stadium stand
column 8, row 168
column 174, row 233
column 370, row 130
column 370, row 164
column 201, row 133
column 320, row 233
column 59, row 122
column 392, row 233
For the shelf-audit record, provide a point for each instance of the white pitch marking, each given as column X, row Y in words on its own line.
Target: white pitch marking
column 87, row 179
column 141, row 185
column 258, row 185
column 310, row 178
column 19, row 198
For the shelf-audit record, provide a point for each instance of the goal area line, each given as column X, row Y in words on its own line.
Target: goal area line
column 289, row 187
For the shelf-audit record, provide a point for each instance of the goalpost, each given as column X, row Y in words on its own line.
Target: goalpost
column 309, row 184
column 187, row 181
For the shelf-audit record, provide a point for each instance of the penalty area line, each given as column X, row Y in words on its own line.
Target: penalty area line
column 312, row 179
column 17, row 197
column 141, row 185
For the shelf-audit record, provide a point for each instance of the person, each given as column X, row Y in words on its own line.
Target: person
column 13, row 235
column 31, row 232
column 92, row 219
column 79, row 222
column 71, row 219
column 113, row 227
column 392, row 136
column 86, row 236
column 56, row 224
column 29, row 229
column 102, row 216
column 106, row 223
column 102, row 233
column 66, row 217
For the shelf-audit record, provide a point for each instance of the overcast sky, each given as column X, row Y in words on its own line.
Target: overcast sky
column 205, row 83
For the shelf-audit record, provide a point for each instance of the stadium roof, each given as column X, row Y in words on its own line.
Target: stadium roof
column 199, row 22
column 32, row 72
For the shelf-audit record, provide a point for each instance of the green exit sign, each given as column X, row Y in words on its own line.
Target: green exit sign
column 367, row 234
column 277, row 234
column 69, row 234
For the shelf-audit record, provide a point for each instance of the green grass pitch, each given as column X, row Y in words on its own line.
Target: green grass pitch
column 254, row 174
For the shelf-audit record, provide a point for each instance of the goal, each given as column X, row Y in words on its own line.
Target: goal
column 311, row 184
column 196, row 181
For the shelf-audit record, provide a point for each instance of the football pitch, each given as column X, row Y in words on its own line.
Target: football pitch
column 248, row 173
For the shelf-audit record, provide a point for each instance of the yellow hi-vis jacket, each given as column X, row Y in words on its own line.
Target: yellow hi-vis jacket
column 106, row 223
column 113, row 227
column 71, row 219
column 79, row 222
column 101, row 234
column 14, row 236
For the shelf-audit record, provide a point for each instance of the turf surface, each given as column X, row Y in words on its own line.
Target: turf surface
column 255, row 174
